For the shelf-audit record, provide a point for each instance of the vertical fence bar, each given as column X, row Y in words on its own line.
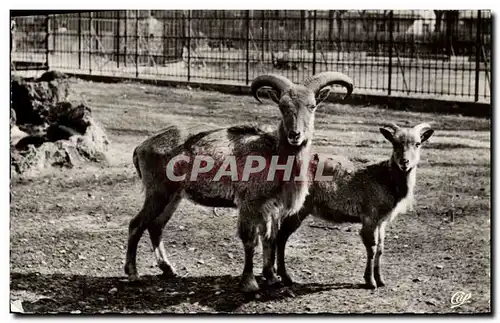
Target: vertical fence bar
column 314, row 43
column 117, row 46
column 262, row 35
column 301, row 34
column 47, row 36
column 330, row 29
column 97, row 34
column 222, row 36
column 79, row 40
column 487, row 59
column 54, row 33
column 90, row 42
column 177, row 40
column 125, row 38
column 478, row 54
column 248, row 48
column 391, row 43
column 189, row 44
column 137, row 43
column 164, row 40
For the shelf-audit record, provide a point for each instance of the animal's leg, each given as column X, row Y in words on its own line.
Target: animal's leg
column 289, row 226
column 155, row 232
column 368, row 235
column 249, row 237
column 269, row 258
column 378, row 255
column 135, row 230
column 154, row 205
column 268, row 232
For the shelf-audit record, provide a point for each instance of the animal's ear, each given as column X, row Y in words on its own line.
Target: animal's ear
column 322, row 95
column 426, row 135
column 272, row 94
column 387, row 134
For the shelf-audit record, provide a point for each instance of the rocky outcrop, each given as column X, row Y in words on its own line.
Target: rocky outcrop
column 49, row 131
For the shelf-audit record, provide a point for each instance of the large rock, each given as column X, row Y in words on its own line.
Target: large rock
column 78, row 149
column 47, row 131
column 33, row 99
column 78, row 118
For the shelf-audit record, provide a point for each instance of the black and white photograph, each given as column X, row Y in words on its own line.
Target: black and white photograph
column 263, row 161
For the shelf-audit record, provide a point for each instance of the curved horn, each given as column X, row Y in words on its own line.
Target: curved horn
column 391, row 125
column 277, row 82
column 418, row 128
column 316, row 82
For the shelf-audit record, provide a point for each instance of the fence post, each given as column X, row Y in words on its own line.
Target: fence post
column 248, row 49
column 222, row 38
column 47, row 34
column 164, row 42
column 90, row 42
column 391, row 43
column 79, row 41
column 330, row 29
column 118, row 39
column 54, row 32
column 125, row 37
column 262, row 35
column 96, row 31
column 478, row 54
column 314, row 43
column 189, row 45
column 137, row 43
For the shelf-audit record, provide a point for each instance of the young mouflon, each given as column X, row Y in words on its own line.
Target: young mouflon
column 373, row 195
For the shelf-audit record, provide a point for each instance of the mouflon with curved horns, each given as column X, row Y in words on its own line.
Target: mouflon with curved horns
column 261, row 204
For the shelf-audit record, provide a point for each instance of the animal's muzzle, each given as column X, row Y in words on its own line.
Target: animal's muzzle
column 293, row 135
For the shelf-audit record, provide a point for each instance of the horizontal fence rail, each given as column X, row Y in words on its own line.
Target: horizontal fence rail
column 418, row 53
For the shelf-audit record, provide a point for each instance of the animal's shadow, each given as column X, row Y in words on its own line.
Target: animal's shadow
column 89, row 294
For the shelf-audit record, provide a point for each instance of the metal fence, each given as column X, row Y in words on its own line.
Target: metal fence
column 419, row 53
column 29, row 43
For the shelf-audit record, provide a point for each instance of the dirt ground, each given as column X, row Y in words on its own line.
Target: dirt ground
column 69, row 228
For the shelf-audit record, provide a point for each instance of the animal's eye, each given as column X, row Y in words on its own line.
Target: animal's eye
column 312, row 107
column 418, row 144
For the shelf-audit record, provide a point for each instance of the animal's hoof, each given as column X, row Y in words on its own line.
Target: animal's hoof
column 286, row 279
column 249, row 284
column 370, row 285
column 271, row 279
column 168, row 271
column 379, row 278
column 369, row 281
column 133, row 278
column 130, row 270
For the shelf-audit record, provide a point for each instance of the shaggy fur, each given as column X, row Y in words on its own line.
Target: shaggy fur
column 373, row 195
column 262, row 204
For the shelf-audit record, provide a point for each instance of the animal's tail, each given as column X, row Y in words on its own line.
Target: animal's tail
column 136, row 163
column 135, row 159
